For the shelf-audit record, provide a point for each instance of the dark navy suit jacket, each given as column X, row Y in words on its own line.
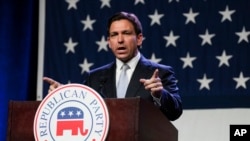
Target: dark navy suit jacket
column 103, row 81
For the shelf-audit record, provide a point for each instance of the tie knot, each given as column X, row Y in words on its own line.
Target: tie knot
column 125, row 67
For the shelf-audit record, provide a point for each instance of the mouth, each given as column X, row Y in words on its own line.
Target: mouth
column 121, row 50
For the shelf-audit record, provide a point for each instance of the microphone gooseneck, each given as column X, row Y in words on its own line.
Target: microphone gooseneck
column 101, row 86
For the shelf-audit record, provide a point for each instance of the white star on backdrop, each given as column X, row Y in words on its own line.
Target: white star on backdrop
column 144, row 38
column 224, row 58
column 241, row 81
column 102, row 44
column 169, row 1
column 226, row 15
column 155, row 18
column 139, row 1
column 209, row 43
column 154, row 59
column 88, row 23
column 190, row 16
column 105, row 3
column 188, row 61
column 204, row 82
column 72, row 4
column 85, row 66
column 171, row 39
column 243, row 35
column 70, row 45
column 206, row 38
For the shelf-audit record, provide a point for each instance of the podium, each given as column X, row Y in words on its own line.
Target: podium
column 131, row 119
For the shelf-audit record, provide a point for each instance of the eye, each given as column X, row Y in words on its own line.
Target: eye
column 113, row 34
column 127, row 33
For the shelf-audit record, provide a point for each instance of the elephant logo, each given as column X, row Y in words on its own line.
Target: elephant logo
column 73, row 112
column 72, row 119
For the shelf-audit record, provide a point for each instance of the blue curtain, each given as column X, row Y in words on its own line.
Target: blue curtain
column 18, row 51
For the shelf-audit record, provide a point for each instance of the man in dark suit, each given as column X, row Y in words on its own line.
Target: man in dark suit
column 148, row 80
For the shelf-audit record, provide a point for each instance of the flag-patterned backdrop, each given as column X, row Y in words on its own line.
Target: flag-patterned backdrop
column 205, row 41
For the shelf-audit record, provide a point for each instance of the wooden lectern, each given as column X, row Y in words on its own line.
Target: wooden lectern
column 131, row 119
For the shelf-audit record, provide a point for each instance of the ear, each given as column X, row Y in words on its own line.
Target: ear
column 108, row 40
column 139, row 39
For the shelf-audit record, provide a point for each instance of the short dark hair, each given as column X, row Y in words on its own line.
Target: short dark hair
column 127, row 16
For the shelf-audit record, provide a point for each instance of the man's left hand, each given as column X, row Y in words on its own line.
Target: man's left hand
column 153, row 84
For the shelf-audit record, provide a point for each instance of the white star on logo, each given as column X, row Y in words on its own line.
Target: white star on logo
column 224, row 58
column 102, row 44
column 105, row 3
column 139, row 1
column 70, row 113
column 70, row 45
column 243, row 35
column 88, row 23
column 78, row 113
column 154, row 59
column 187, row 61
column 206, row 38
column 155, row 18
column 171, row 39
column 190, row 16
column 204, row 82
column 72, row 4
column 226, row 14
column 62, row 114
column 85, row 66
column 241, row 81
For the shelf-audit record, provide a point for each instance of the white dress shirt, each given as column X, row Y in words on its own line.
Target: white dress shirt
column 131, row 63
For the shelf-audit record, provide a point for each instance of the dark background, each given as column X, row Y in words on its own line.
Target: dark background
column 18, row 54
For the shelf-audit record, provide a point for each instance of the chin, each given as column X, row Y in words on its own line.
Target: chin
column 123, row 59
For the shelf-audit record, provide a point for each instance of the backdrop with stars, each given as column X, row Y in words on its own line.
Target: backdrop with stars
column 205, row 41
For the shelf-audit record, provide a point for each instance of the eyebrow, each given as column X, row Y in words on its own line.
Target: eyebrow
column 123, row 31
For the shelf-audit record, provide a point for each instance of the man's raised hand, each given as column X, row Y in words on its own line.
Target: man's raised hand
column 154, row 84
column 53, row 84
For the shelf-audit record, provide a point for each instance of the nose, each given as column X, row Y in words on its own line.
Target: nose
column 120, row 39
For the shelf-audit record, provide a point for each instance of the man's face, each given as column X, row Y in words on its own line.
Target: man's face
column 123, row 40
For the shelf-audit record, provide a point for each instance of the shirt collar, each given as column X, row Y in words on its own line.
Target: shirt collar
column 131, row 63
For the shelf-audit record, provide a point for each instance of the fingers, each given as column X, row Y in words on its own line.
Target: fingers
column 49, row 80
column 53, row 84
column 142, row 80
column 155, row 74
column 154, row 83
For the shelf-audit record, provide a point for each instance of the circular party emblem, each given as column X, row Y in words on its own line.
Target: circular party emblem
column 72, row 112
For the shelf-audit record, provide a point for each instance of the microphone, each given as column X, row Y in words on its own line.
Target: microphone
column 101, row 86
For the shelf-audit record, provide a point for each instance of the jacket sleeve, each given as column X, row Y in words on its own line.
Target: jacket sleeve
column 171, row 104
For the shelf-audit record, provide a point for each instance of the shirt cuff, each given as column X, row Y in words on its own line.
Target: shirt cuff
column 157, row 101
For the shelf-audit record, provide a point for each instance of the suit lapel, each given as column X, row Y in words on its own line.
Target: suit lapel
column 110, row 86
column 142, row 70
